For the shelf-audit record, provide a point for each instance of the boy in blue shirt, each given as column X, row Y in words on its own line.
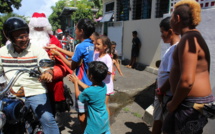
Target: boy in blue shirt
column 94, row 96
column 83, row 55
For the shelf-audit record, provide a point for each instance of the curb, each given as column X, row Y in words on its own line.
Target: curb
column 148, row 115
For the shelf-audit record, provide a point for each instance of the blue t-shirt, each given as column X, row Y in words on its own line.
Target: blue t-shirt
column 84, row 51
column 97, row 119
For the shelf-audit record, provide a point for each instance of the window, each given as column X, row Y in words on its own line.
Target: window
column 146, row 9
column 203, row 3
column 162, row 7
column 109, row 7
column 123, row 7
column 141, row 9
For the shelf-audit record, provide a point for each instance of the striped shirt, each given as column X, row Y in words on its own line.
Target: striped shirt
column 28, row 59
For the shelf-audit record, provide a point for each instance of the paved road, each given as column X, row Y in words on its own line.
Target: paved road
column 134, row 93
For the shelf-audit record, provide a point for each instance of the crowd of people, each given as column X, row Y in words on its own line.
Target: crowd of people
column 184, row 100
column 89, row 67
column 92, row 64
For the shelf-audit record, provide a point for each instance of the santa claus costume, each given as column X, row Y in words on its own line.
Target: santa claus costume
column 43, row 37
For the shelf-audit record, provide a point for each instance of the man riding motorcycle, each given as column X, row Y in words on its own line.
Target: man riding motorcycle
column 22, row 54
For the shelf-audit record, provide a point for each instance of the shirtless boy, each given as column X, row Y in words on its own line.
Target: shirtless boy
column 189, row 76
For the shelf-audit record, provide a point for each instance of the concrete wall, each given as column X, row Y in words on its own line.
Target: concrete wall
column 115, row 33
column 149, row 35
column 207, row 29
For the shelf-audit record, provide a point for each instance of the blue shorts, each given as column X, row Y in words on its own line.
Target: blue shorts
column 80, row 107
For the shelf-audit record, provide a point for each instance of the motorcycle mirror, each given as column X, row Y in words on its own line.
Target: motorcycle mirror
column 46, row 63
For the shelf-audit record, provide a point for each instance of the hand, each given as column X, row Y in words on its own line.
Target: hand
column 73, row 78
column 51, row 46
column 46, row 77
column 171, row 107
column 55, row 52
column 160, row 98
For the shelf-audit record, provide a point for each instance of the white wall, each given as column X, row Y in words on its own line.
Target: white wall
column 115, row 33
column 207, row 29
column 149, row 34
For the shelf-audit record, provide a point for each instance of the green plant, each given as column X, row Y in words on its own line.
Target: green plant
column 126, row 109
column 137, row 115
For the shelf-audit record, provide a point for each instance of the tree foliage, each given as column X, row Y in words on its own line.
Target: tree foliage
column 55, row 18
column 98, row 4
column 5, row 13
column 83, row 11
column 6, row 5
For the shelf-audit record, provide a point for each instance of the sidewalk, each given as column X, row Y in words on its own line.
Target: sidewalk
column 132, row 117
column 134, row 95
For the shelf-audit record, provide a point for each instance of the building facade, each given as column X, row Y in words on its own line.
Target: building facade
column 121, row 17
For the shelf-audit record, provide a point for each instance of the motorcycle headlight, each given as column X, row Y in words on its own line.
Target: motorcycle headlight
column 2, row 119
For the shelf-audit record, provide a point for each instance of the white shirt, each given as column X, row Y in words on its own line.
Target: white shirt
column 165, row 66
column 108, row 61
column 29, row 58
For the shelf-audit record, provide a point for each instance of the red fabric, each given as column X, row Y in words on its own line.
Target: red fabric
column 81, row 72
column 56, row 88
column 54, row 40
column 38, row 15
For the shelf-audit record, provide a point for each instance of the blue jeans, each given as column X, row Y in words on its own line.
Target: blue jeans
column 40, row 105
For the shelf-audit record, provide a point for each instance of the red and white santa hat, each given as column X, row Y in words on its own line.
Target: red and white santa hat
column 59, row 31
column 39, row 20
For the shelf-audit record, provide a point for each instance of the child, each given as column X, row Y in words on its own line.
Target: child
column 136, row 44
column 83, row 55
column 94, row 37
column 97, row 119
column 114, row 57
column 104, row 44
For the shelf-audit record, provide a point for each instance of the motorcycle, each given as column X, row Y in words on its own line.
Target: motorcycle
column 15, row 117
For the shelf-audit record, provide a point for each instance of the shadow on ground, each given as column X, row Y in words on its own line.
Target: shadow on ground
column 146, row 97
column 70, row 121
column 137, row 66
column 137, row 128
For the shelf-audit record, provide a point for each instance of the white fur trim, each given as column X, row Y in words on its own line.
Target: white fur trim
column 39, row 22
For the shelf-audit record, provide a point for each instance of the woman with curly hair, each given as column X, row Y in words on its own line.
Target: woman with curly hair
column 189, row 76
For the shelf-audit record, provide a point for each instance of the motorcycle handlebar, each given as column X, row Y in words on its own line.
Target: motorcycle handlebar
column 17, row 74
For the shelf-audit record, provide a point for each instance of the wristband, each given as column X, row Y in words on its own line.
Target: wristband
column 158, row 91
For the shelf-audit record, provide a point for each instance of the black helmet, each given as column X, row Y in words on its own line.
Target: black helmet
column 13, row 24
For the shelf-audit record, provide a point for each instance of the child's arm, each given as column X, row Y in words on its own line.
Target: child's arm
column 74, row 79
column 116, row 63
column 68, row 63
column 80, row 83
column 52, row 46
